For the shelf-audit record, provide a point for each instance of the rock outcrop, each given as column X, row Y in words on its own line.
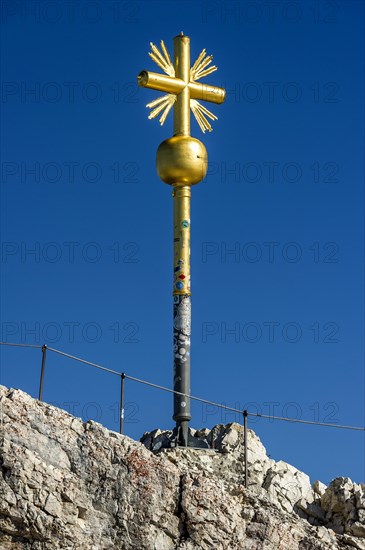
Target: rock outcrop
column 65, row 484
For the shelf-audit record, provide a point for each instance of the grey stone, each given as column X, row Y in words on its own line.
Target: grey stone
column 319, row 488
column 67, row 485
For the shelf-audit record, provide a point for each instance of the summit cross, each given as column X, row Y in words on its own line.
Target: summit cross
column 181, row 162
column 180, row 84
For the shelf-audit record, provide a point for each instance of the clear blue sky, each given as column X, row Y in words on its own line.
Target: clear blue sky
column 277, row 227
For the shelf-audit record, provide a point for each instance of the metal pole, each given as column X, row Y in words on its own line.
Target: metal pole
column 182, row 301
column 182, row 311
column 122, row 382
column 245, row 415
column 44, row 353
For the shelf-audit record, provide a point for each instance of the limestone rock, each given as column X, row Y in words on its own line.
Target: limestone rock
column 68, row 485
column 319, row 488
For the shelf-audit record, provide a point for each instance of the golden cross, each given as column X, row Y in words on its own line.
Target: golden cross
column 180, row 84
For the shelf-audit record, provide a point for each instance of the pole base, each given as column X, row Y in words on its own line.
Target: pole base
column 182, row 428
column 171, row 439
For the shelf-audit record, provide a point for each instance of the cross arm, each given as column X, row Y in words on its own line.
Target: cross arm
column 161, row 82
column 173, row 85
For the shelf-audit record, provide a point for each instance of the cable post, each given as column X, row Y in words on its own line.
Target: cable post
column 122, row 384
column 43, row 368
column 245, row 432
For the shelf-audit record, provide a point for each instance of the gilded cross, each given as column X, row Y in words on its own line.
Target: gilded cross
column 180, row 83
column 181, row 161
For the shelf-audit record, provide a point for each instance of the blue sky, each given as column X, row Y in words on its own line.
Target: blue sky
column 277, row 225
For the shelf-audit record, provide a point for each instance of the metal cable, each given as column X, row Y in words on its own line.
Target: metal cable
column 84, row 361
column 219, row 405
column 241, row 411
column 20, row 345
column 183, row 394
column 307, row 422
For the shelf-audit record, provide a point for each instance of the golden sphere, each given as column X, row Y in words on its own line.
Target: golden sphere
column 181, row 160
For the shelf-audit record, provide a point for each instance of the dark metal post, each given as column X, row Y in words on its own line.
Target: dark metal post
column 245, row 415
column 182, row 367
column 44, row 353
column 122, row 379
column 182, row 312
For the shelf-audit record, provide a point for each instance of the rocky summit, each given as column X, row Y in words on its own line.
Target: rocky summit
column 66, row 484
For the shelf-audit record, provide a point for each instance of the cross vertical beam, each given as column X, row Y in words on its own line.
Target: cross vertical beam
column 182, row 71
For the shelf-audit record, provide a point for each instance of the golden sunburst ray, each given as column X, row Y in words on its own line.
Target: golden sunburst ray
column 199, row 111
column 163, row 103
column 198, row 70
column 200, row 57
column 162, row 59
